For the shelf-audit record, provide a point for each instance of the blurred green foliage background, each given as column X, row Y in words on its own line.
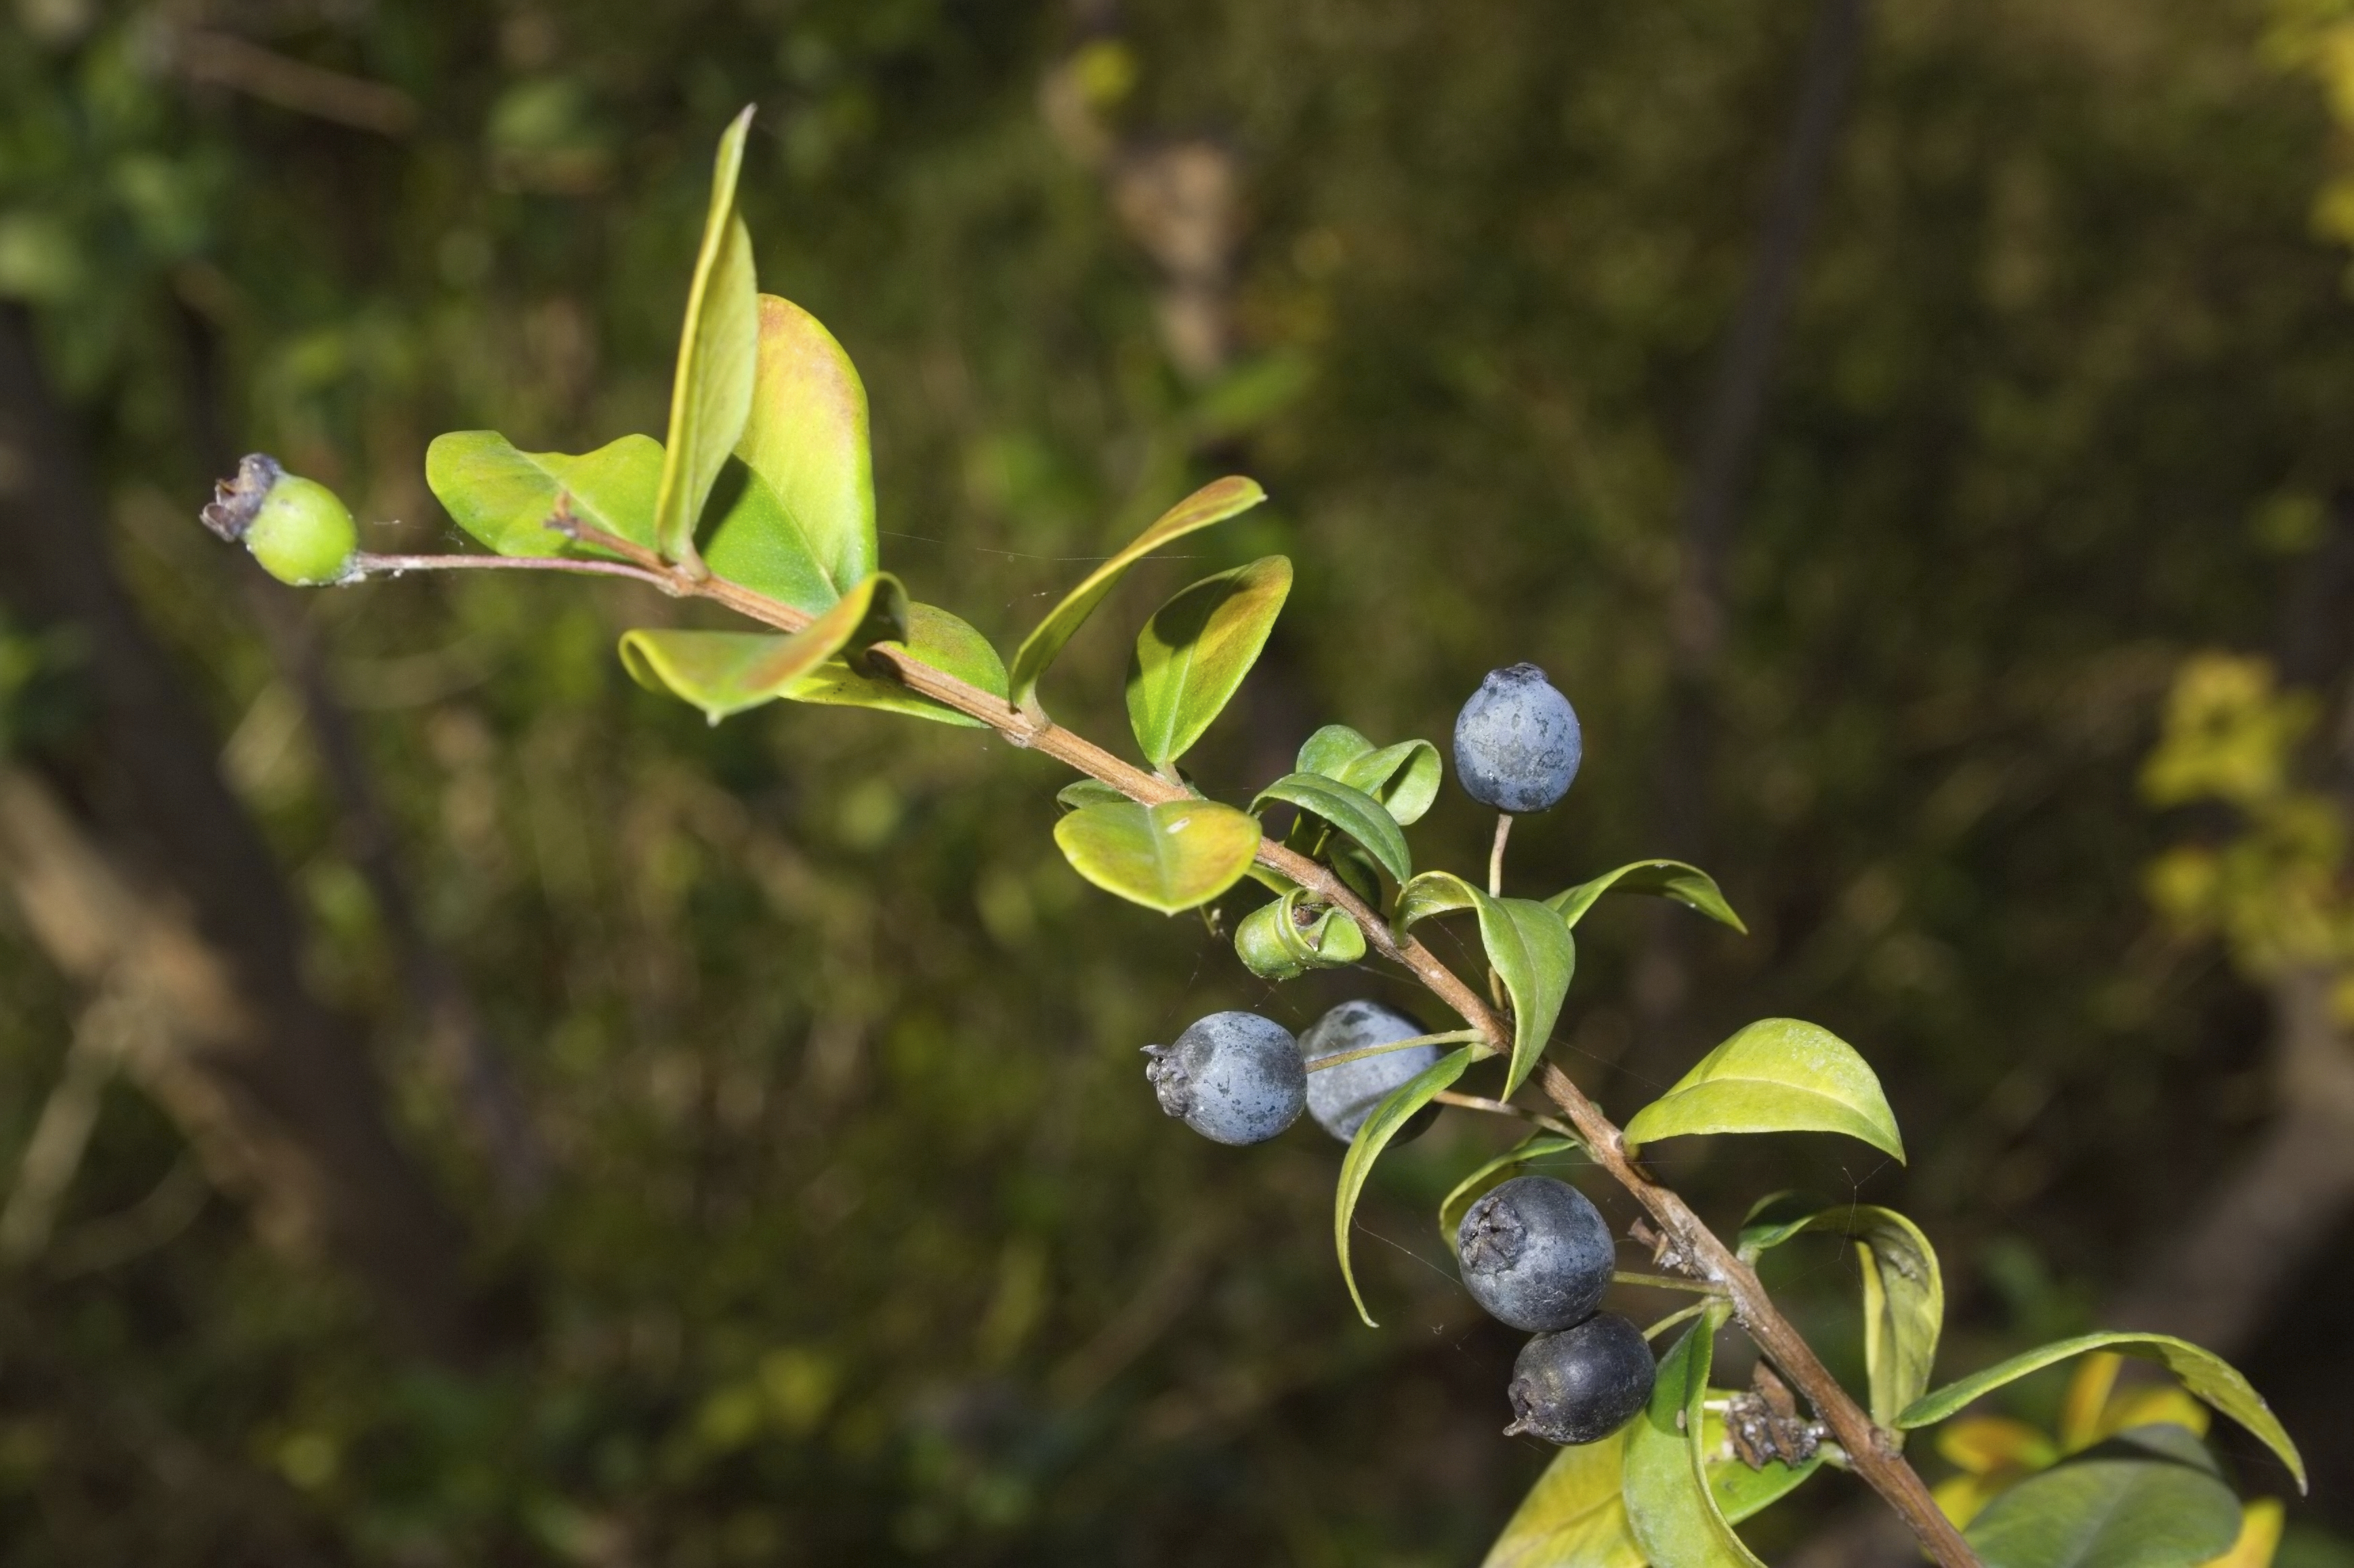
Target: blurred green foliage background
column 861, row 1238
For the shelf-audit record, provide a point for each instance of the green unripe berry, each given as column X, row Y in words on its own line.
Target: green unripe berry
column 297, row 528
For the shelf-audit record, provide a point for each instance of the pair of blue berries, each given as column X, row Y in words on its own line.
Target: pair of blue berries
column 1535, row 1252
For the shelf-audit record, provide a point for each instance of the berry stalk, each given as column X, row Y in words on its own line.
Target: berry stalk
column 1872, row 1452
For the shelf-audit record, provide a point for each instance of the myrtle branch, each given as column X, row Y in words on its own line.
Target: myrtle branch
column 1871, row 1451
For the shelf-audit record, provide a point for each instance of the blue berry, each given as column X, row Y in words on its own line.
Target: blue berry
column 1341, row 1097
column 1517, row 744
column 1234, row 1078
column 1535, row 1254
column 1584, row 1383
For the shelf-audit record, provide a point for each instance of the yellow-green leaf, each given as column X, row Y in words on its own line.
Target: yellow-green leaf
column 2203, row 1371
column 504, row 497
column 1213, row 502
column 1192, row 656
column 1169, row 857
column 750, row 540
column 725, row 673
column 1673, row 1513
column 711, row 394
column 935, row 638
column 1374, row 1135
column 1777, row 1076
column 1903, row 1290
column 806, row 435
column 1671, row 879
column 1574, row 1517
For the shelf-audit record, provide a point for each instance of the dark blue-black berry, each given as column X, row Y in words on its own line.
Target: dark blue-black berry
column 1341, row 1097
column 1233, row 1076
column 1517, row 744
column 1535, row 1254
column 1584, row 1383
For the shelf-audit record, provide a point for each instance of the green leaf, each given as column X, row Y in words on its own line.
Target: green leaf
column 1686, row 884
column 1374, row 1135
column 1404, row 777
column 1527, row 945
column 1777, row 1076
column 504, row 497
column 1192, row 656
column 1213, row 502
column 1574, row 1517
column 2207, row 1375
column 1673, row 1512
column 725, row 673
column 1274, row 945
column 2148, row 1499
column 1085, row 792
column 935, row 638
column 806, row 435
column 1432, row 893
column 1903, row 1291
column 711, row 396
column 1534, row 954
column 1351, row 810
column 1495, row 1173
column 750, row 540
column 1168, row 857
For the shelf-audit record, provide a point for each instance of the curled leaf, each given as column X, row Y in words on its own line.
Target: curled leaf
column 1213, row 502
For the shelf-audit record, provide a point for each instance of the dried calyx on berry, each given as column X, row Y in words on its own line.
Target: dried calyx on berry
column 297, row 528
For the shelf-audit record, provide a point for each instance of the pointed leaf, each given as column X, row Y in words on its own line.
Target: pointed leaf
column 1534, row 954
column 1673, row 1513
column 1529, row 946
column 750, row 540
column 1353, row 811
column 2150, row 1499
column 2203, row 1371
column 1903, row 1291
column 1213, row 502
column 711, row 394
column 806, row 435
column 725, row 673
column 1574, row 1517
column 1495, row 1173
column 504, row 497
column 1192, row 656
column 935, row 638
column 1777, row 1076
column 1686, row 884
column 1168, row 857
column 1404, row 777
column 1374, row 1135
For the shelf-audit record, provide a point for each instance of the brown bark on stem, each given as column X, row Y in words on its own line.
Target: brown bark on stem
column 1872, row 1452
